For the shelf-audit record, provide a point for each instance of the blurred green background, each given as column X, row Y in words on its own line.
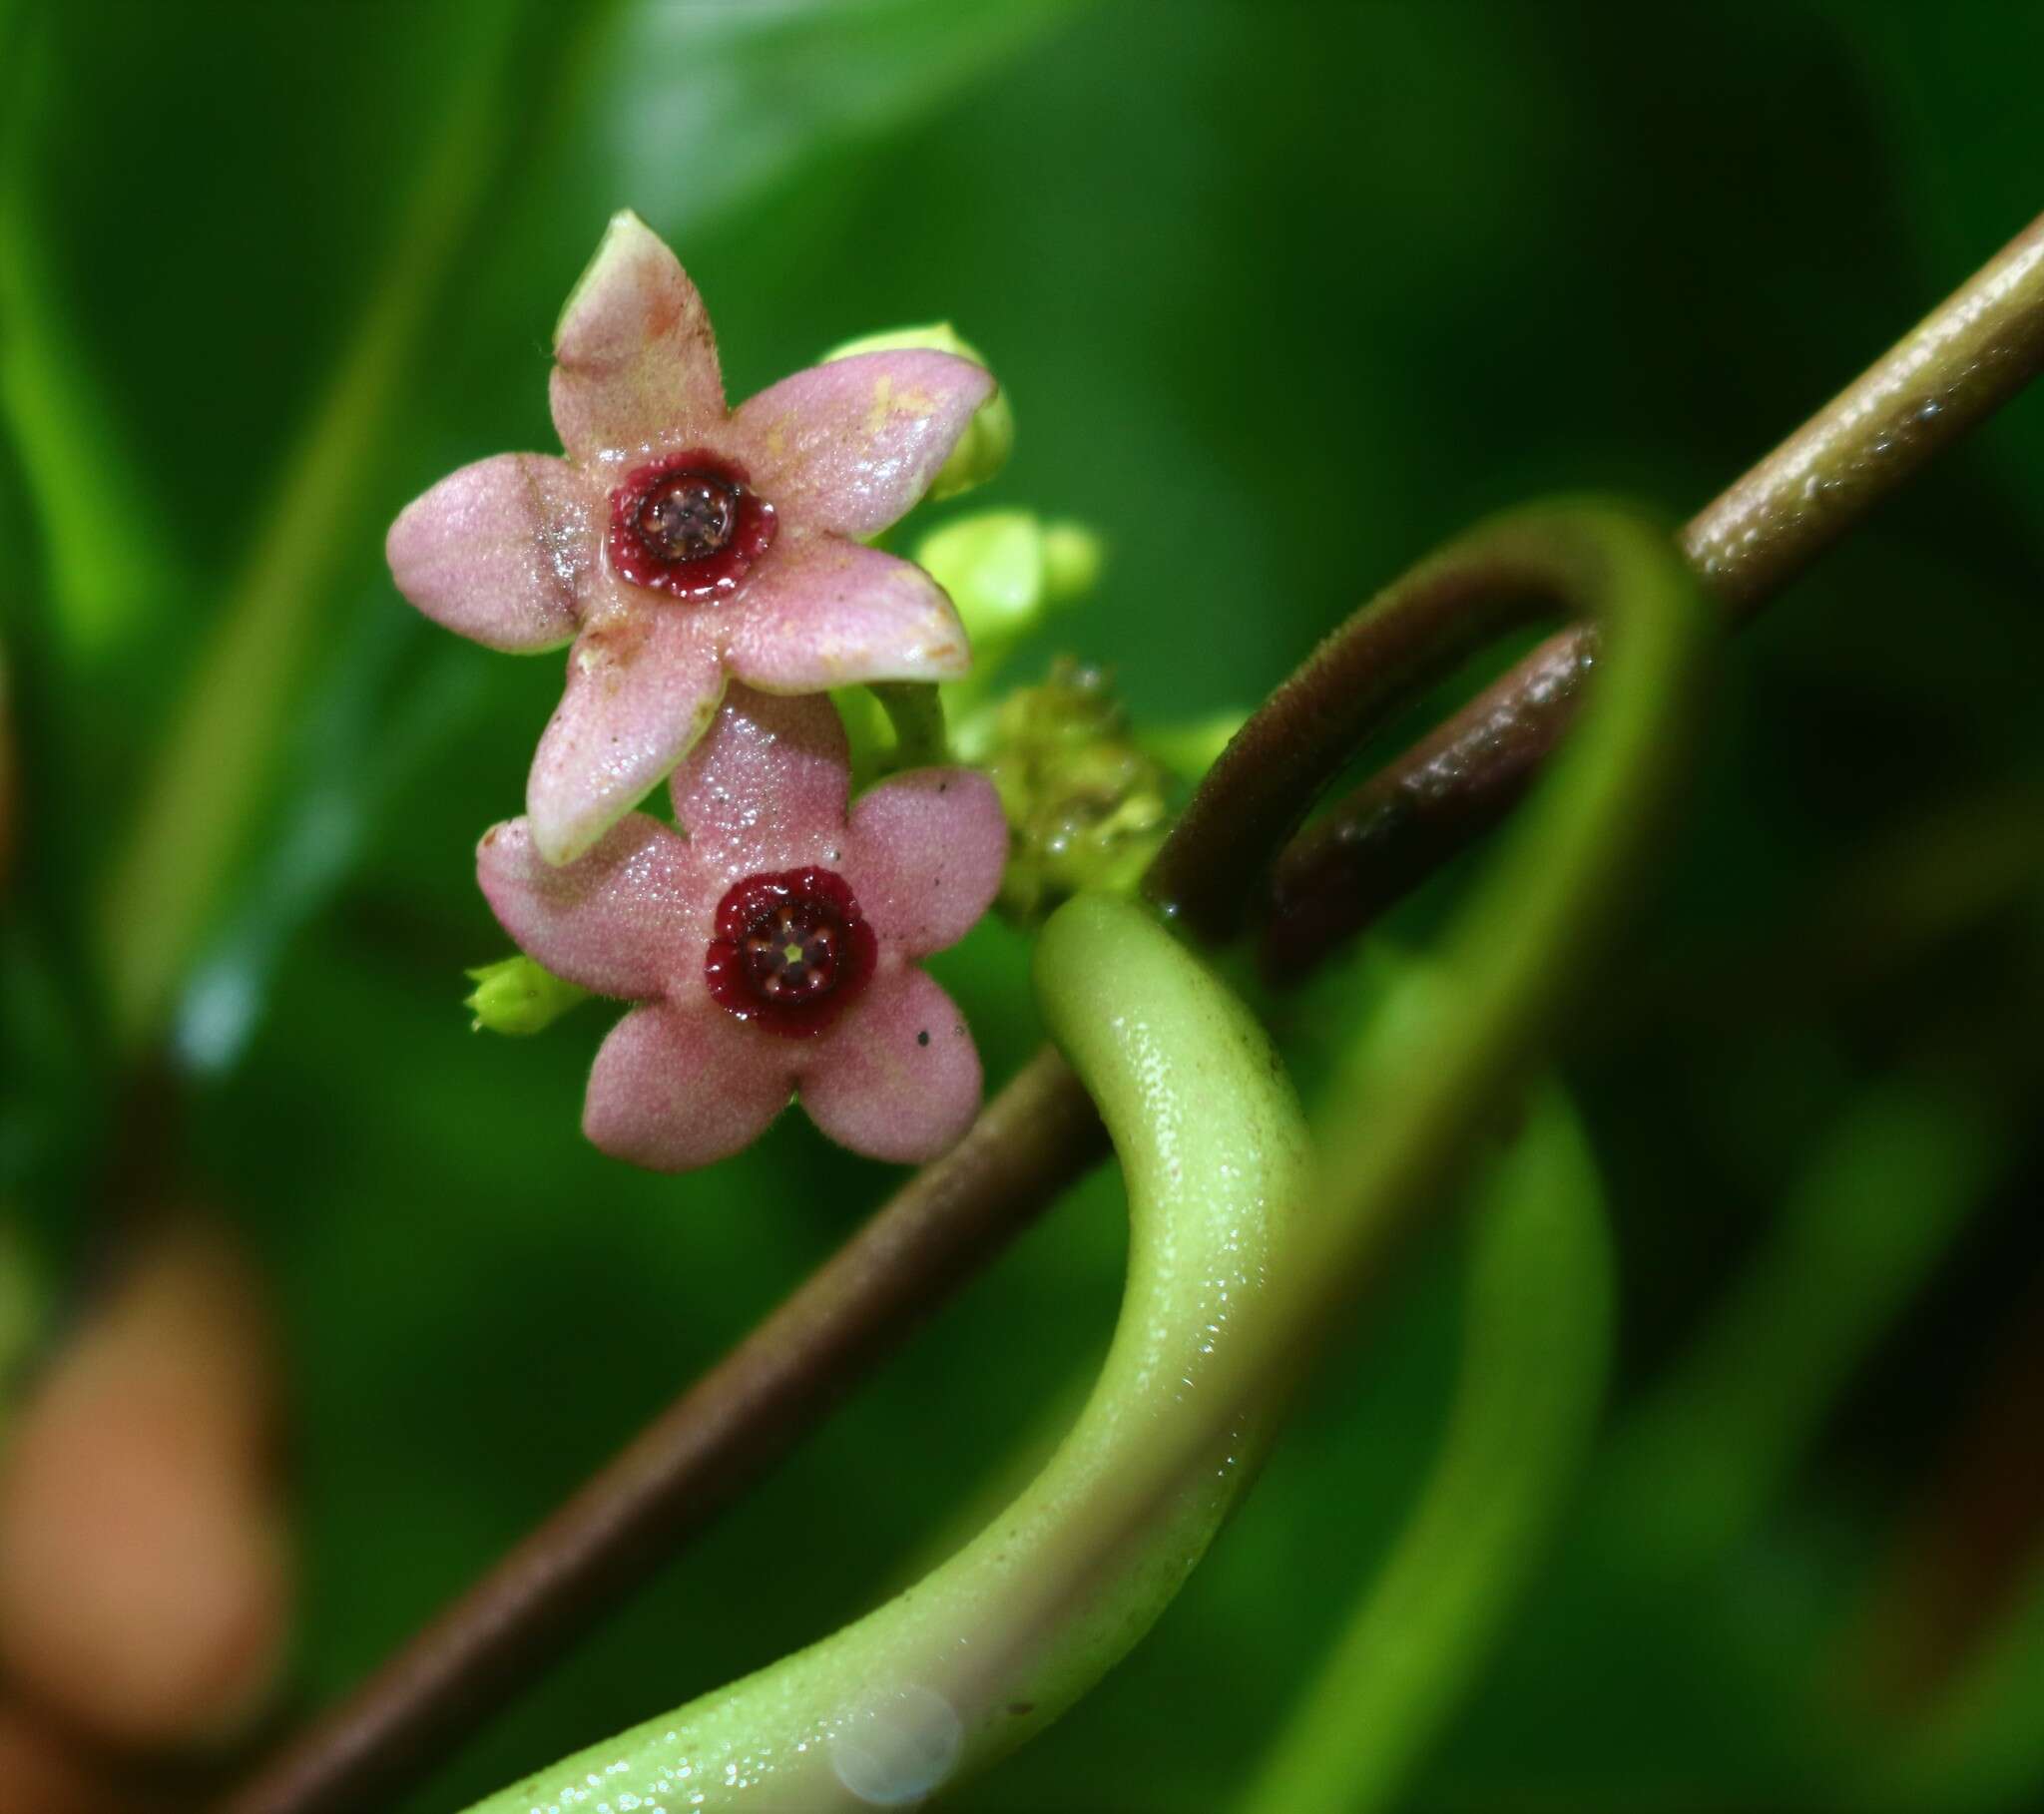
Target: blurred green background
column 1282, row 294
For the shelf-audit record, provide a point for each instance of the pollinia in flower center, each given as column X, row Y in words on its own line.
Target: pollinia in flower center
column 1021, row 1622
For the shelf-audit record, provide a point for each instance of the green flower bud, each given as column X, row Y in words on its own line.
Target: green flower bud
column 517, row 996
column 984, row 447
column 1005, row 570
column 1072, row 559
column 1086, row 807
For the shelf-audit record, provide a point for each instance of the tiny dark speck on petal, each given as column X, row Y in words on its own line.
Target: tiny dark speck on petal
column 943, row 786
column 923, row 1037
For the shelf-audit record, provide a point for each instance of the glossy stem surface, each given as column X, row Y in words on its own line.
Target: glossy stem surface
column 997, row 1642
column 1537, row 1315
column 1969, row 356
column 1042, row 1132
column 1447, row 1054
column 705, row 1450
column 1039, row 1136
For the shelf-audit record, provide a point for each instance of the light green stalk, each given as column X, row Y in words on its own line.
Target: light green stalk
column 1535, row 1356
column 997, row 1642
column 200, row 792
column 1885, row 1195
column 915, row 710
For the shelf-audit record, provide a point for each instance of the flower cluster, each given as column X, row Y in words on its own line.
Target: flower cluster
column 709, row 567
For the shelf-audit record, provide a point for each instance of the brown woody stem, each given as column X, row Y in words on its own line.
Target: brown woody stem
column 1041, row 1133
column 1035, row 1138
column 1966, row 358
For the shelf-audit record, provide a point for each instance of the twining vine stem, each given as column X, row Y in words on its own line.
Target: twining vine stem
column 1973, row 352
column 1039, row 1135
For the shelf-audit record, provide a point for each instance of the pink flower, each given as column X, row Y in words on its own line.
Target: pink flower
column 681, row 542
column 772, row 947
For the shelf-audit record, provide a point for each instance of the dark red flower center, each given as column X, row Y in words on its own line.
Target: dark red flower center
column 791, row 950
column 690, row 524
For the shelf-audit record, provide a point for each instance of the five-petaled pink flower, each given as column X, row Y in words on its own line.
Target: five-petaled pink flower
column 681, row 542
column 772, row 947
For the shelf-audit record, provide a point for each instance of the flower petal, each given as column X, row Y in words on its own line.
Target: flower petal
column 679, row 1086
column 499, row 551
column 898, row 1077
column 823, row 611
column 610, row 922
column 766, row 789
column 635, row 359
column 852, row 445
column 927, row 855
column 643, row 686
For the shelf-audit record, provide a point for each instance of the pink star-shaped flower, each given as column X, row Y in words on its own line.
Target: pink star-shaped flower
column 681, row 542
column 772, row 947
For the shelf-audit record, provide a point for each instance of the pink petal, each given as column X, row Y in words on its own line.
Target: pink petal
column 643, row 686
column 766, row 789
column 927, row 855
column 499, row 551
column 823, row 611
column 611, row 922
column 679, row 1086
column 853, row 445
column 897, row 1077
column 634, row 360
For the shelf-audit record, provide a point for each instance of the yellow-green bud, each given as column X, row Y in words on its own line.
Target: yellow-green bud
column 517, row 996
column 989, row 437
column 1005, row 570
column 1072, row 558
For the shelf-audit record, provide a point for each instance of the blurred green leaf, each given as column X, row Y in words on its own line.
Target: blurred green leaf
column 1538, row 1308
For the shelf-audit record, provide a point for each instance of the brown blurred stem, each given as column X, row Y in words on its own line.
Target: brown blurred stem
column 1040, row 1133
column 1961, row 363
column 1035, row 1138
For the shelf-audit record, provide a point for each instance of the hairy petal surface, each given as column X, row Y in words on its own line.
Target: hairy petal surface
column 926, row 854
column 823, row 611
column 499, row 552
column 898, row 1077
column 853, row 445
column 765, row 788
column 635, row 358
column 610, row 921
column 679, row 1085
column 643, row 686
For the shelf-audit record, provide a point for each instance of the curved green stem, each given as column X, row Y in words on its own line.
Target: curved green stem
column 999, row 1640
column 1535, row 1356
column 1454, row 1042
